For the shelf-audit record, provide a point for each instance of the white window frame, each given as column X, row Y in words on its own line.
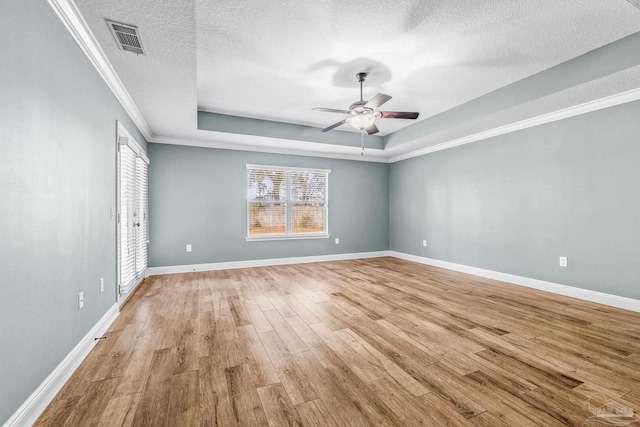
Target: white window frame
column 288, row 235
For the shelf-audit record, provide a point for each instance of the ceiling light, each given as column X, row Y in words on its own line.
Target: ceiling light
column 362, row 121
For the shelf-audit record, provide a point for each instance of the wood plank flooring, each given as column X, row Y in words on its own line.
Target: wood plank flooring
column 376, row 342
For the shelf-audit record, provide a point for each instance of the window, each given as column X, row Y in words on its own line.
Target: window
column 285, row 202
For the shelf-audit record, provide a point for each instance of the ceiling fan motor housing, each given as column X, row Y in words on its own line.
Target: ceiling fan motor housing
column 358, row 107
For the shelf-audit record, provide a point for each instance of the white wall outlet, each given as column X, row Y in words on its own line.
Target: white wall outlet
column 337, row 240
column 80, row 300
column 101, row 284
column 424, row 243
column 564, row 261
column 188, row 248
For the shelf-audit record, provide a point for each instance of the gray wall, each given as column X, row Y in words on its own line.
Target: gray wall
column 517, row 202
column 57, row 184
column 198, row 197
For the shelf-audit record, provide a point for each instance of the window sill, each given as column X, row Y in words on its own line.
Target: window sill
column 281, row 237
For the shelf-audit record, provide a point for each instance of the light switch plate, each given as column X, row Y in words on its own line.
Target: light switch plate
column 337, row 240
column 80, row 300
column 424, row 243
column 101, row 284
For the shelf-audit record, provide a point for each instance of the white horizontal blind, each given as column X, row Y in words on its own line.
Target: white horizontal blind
column 308, row 193
column 133, row 227
column 142, row 223
column 127, row 246
column 286, row 201
column 267, row 204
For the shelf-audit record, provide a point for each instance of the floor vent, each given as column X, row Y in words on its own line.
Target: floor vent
column 127, row 37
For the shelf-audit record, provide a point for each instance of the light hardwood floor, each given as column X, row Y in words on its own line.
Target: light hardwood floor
column 352, row 343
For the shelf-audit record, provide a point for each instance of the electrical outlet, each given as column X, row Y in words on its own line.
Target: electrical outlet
column 80, row 300
column 424, row 243
column 337, row 240
column 101, row 284
column 564, row 261
column 188, row 248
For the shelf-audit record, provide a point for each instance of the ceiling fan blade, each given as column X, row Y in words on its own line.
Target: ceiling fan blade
column 331, row 110
column 377, row 100
column 371, row 129
column 398, row 115
column 335, row 125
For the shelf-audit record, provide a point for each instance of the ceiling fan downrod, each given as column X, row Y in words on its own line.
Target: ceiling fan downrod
column 361, row 78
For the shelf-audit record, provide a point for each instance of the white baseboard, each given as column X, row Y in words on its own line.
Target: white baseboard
column 153, row 271
column 556, row 288
column 33, row 407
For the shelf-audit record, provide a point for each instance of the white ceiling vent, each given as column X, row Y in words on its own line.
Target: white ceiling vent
column 127, row 37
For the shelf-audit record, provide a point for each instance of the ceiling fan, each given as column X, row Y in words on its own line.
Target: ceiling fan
column 362, row 114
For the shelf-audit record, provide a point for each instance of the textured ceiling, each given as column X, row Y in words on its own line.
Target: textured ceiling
column 276, row 60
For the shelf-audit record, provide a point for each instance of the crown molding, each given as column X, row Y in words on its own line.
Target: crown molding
column 565, row 113
column 67, row 12
column 206, row 143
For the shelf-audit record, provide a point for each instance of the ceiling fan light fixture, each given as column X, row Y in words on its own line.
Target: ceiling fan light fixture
column 362, row 121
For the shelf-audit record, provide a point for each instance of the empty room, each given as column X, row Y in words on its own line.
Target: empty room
column 320, row 213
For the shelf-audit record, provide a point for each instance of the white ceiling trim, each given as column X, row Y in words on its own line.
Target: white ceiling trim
column 206, row 143
column 565, row 113
column 67, row 12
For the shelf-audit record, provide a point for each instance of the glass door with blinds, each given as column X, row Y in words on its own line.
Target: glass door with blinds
column 133, row 221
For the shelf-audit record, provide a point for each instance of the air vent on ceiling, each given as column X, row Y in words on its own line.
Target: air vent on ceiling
column 127, row 37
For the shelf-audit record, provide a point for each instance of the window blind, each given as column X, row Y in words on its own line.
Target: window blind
column 142, row 223
column 133, row 227
column 127, row 207
column 286, row 201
